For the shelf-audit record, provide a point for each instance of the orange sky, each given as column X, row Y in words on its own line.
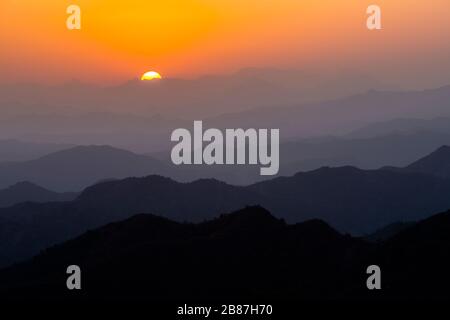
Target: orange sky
column 120, row 40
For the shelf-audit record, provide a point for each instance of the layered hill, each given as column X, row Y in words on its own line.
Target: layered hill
column 351, row 200
column 30, row 192
column 245, row 254
column 248, row 254
column 78, row 167
column 437, row 163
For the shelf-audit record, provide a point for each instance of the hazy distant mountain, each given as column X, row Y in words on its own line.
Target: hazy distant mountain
column 299, row 155
column 245, row 255
column 78, row 167
column 231, row 102
column 140, row 116
column 81, row 166
column 15, row 150
column 350, row 199
column 437, row 163
column 354, row 200
column 134, row 132
column 366, row 153
column 340, row 116
column 29, row 192
column 402, row 126
column 201, row 97
column 394, row 149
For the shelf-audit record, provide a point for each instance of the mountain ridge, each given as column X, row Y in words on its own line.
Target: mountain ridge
column 25, row 191
column 351, row 200
column 157, row 259
column 161, row 246
column 79, row 166
column 437, row 163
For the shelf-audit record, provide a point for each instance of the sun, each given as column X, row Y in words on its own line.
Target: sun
column 150, row 75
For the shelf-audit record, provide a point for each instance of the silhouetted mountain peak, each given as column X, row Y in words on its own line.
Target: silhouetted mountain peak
column 244, row 223
column 250, row 214
column 140, row 225
column 88, row 150
column 443, row 151
column 388, row 231
column 125, row 186
column 431, row 235
column 25, row 192
column 211, row 181
column 341, row 169
column 315, row 224
column 315, row 229
column 437, row 163
column 25, row 186
column 206, row 184
column 80, row 166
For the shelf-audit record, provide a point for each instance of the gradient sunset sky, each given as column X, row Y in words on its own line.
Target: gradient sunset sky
column 120, row 40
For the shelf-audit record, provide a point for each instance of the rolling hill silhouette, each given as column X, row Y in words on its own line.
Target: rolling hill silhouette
column 341, row 116
column 391, row 148
column 77, row 167
column 17, row 150
column 76, row 173
column 248, row 254
column 245, row 254
column 30, row 192
column 437, row 163
column 417, row 260
column 252, row 99
column 403, row 126
column 388, row 231
column 204, row 96
column 30, row 227
column 352, row 200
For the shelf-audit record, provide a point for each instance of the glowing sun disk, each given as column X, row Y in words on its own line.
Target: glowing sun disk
column 151, row 75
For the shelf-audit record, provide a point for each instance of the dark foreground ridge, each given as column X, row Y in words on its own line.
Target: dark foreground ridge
column 248, row 254
column 351, row 200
